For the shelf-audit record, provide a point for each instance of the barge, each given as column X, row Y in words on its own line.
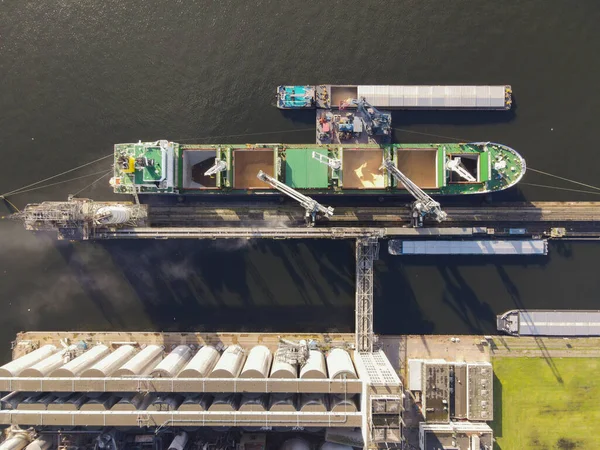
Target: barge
column 543, row 322
column 164, row 167
column 327, row 96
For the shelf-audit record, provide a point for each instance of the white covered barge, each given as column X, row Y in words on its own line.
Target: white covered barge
column 542, row 322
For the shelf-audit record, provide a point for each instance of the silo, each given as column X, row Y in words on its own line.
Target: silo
column 295, row 444
column 340, row 404
column 201, row 364
column 14, row 368
column 259, row 403
column 230, row 364
column 225, row 403
column 313, row 403
column 173, row 363
column 76, row 366
column 43, row 442
column 106, row 366
column 164, row 402
column 141, row 363
column 17, row 442
column 196, row 402
column 258, row 363
column 102, row 403
column 179, row 442
column 339, row 364
column 49, row 364
column 281, row 368
column 283, row 402
column 132, row 402
column 71, row 403
column 314, row 367
column 38, row 402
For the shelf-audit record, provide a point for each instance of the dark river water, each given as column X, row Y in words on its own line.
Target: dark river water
column 78, row 76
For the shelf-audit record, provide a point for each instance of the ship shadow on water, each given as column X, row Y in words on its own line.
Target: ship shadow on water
column 240, row 285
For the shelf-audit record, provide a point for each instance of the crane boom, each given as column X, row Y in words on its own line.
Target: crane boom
column 334, row 163
column 424, row 205
column 456, row 166
column 218, row 166
column 312, row 207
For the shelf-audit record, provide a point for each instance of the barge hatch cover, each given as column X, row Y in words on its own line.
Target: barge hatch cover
column 480, row 247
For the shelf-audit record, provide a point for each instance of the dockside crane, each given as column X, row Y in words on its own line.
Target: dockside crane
column 312, row 207
column 376, row 122
column 424, row 205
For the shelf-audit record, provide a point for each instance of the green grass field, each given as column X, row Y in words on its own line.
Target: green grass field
column 546, row 403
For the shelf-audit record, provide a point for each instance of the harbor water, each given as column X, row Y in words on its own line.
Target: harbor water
column 79, row 76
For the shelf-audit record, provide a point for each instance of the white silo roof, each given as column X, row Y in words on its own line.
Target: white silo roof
column 339, row 364
column 201, row 364
column 315, row 366
column 76, row 366
column 230, row 363
column 173, row 363
column 106, row 366
column 258, row 363
column 14, row 368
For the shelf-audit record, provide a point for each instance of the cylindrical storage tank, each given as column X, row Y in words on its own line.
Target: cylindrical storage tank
column 71, row 403
column 132, row 402
column 339, row 364
column 141, row 363
column 341, row 405
column 230, row 364
column 112, row 362
column 102, row 403
column 196, row 402
column 43, row 442
column 259, row 403
column 179, row 442
column 283, row 402
column 38, row 402
column 225, row 403
column 17, row 442
column 258, row 363
column 173, row 363
column 314, row 367
column 166, row 402
column 113, row 214
column 282, row 369
column 14, row 368
column 313, row 403
column 49, row 364
column 76, row 366
column 201, row 364
column 295, row 444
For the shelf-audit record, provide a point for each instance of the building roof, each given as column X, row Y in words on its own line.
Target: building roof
column 480, row 391
column 436, row 395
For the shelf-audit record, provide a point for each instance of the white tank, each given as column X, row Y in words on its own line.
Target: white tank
column 71, row 403
column 101, row 403
column 230, row 364
column 201, row 364
column 225, row 403
column 113, row 214
column 259, row 403
column 165, row 402
column 283, row 402
column 132, row 402
column 36, row 402
column 314, row 367
column 43, row 442
column 106, row 366
column 196, row 402
column 282, row 369
column 313, row 403
column 340, row 405
column 173, row 363
column 339, row 364
column 76, row 366
column 295, row 444
column 17, row 442
column 14, row 368
column 49, row 364
column 141, row 363
column 258, row 363
column 179, row 442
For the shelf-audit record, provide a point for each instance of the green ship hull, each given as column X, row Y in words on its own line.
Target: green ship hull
column 164, row 167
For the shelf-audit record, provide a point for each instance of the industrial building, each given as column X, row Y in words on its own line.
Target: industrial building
column 316, row 384
column 455, row 436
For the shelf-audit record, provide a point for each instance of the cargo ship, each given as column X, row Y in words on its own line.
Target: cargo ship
column 546, row 322
column 164, row 167
column 424, row 97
